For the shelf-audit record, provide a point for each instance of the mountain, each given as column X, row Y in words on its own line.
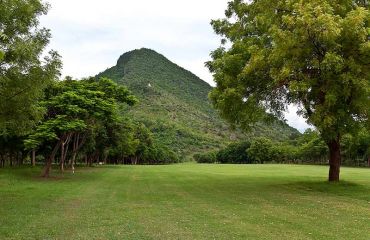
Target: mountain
column 174, row 105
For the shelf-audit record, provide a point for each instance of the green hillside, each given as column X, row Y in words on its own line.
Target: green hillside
column 175, row 106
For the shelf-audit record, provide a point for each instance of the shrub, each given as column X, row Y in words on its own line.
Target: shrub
column 209, row 157
column 260, row 150
column 235, row 153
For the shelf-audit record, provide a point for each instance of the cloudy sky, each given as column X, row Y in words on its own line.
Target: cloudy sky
column 91, row 35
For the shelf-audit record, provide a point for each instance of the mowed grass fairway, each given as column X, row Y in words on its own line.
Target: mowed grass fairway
column 186, row 201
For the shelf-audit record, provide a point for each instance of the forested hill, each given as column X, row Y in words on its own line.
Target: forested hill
column 175, row 106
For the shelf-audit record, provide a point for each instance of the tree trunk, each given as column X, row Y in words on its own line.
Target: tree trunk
column 46, row 171
column 73, row 159
column 33, row 158
column 105, row 158
column 64, row 149
column 334, row 160
column 78, row 142
column 74, row 151
column 62, row 157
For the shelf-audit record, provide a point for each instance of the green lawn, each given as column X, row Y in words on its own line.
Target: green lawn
column 186, row 201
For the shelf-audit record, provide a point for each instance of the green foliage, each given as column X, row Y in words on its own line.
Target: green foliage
column 158, row 154
column 311, row 53
column 312, row 147
column 235, row 153
column 2, row 54
column 314, row 54
column 74, row 105
column 356, row 148
column 123, row 141
column 260, row 150
column 210, row 157
column 308, row 148
column 83, row 116
column 52, row 129
column 174, row 105
column 23, row 75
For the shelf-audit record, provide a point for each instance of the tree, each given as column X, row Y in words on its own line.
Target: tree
column 209, row 157
column 260, row 150
column 234, row 153
column 312, row 147
column 23, row 76
column 123, row 141
column 73, row 106
column 312, row 53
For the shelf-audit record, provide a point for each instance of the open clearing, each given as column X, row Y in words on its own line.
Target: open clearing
column 186, row 201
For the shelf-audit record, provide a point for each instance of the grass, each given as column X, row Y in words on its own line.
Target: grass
column 186, row 201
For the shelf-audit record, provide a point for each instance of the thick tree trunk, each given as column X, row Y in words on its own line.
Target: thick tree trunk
column 46, row 170
column 33, row 158
column 334, row 160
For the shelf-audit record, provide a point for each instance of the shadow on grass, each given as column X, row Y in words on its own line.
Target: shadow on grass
column 342, row 188
column 34, row 173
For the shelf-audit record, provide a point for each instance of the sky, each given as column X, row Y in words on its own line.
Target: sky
column 90, row 35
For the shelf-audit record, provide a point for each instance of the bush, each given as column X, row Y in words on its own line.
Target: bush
column 260, row 150
column 205, row 157
column 235, row 153
column 159, row 155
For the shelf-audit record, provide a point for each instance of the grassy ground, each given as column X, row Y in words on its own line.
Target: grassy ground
column 186, row 202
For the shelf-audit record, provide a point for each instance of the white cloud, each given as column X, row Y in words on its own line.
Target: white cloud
column 91, row 35
column 294, row 120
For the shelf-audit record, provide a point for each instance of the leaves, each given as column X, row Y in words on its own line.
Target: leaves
column 311, row 53
column 73, row 105
column 23, row 76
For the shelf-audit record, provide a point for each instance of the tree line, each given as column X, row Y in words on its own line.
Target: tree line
column 44, row 120
column 309, row 148
column 84, row 122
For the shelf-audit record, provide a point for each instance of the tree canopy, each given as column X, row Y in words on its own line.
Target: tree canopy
column 314, row 53
column 74, row 110
column 23, row 75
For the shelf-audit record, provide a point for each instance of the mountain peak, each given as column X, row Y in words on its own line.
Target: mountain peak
column 174, row 104
column 124, row 58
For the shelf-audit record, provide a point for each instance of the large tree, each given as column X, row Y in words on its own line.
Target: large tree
column 23, row 74
column 312, row 53
column 74, row 109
